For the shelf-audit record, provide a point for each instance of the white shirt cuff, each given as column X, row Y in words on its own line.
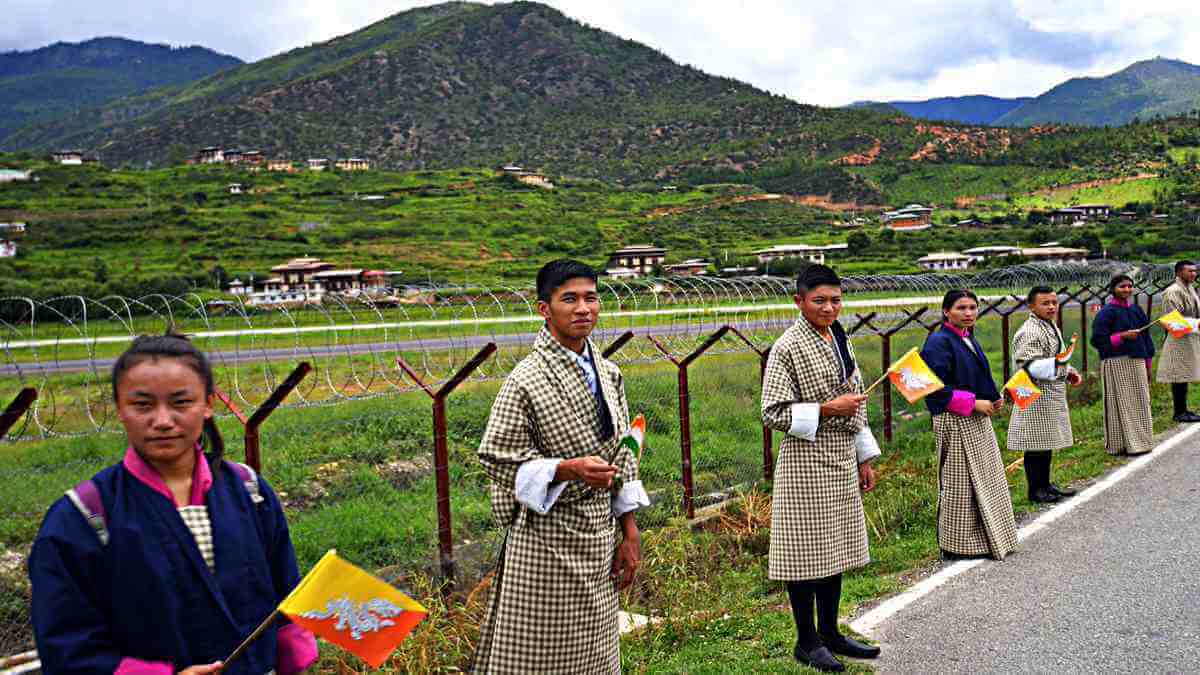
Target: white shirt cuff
column 865, row 446
column 805, row 418
column 1043, row 369
column 534, row 488
column 631, row 497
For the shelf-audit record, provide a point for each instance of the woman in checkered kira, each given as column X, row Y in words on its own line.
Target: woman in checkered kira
column 1125, row 356
column 813, row 392
column 166, row 561
column 975, row 514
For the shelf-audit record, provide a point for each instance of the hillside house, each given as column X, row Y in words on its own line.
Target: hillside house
column 970, row 223
column 621, row 273
column 69, row 157
column 693, row 267
column 352, row 164
column 641, row 258
column 813, row 254
column 527, row 177
column 237, row 287
column 210, row 155
column 1068, row 216
column 236, row 188
column 233, row 156
column 945, row 260
column 8, row 248
column 318, row 164
column 307, row 280
column 280, row 165
column 1055, row 255
column 253, row 159
column 9, row 229
column 1095, row 210
column 982, row 253
column 13, row 175
column 911, row 218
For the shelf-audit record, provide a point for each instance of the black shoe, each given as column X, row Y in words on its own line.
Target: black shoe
column 820, row 658
column 1186, row 417
column 1059, row 492
column 848, row 646
column 1043, row 496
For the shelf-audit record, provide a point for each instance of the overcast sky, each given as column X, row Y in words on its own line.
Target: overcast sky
column 820, row 51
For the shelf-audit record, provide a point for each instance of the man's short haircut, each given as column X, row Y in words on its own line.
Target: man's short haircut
column 1036, row 291
column 1182, row 264
column 558, row 272
column 816, row 275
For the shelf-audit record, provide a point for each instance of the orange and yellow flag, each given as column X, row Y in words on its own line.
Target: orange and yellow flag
column 352, row 609
column 1065, row 355
column 1177, row 324
column 1022, row 390
column 913, row 377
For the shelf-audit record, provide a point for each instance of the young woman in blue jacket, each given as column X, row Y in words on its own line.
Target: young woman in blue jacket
column 1125, row 353
column 166, row 561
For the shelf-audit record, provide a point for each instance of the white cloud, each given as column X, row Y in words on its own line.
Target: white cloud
column 822, row 51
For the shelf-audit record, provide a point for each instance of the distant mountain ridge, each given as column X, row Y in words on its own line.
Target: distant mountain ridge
column 978, row 109
column 1159, row 86
column 42, row 84
column 1143, row 90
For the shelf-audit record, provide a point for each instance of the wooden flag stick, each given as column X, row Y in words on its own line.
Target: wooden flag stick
column 876, row 382
column 262, row 627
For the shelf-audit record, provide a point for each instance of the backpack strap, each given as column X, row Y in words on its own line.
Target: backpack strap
column 249, row 478
column 86, row 499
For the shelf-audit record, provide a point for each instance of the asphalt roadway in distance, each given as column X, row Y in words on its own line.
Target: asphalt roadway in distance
column 1111, row 587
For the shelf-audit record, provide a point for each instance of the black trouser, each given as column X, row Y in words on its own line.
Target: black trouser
column 827, row 593
column 1037, row 470
column 1179, row 396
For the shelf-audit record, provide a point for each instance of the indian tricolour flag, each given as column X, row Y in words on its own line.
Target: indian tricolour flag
column 635, row 438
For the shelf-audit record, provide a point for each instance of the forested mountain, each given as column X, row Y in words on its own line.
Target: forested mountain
column 62, row 78
column 965, row 109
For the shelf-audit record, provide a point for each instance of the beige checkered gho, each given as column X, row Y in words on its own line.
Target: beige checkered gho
column 1179, row 358
column 1046, row 424
column 817, row 523
column 552, row 607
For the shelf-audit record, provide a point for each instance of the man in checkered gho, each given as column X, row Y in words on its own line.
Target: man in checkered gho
column 813, row 392
column 561, row 484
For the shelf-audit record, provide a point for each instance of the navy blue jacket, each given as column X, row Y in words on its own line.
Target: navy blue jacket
column 147, row 594
column 1113, row 319
column 958, row 368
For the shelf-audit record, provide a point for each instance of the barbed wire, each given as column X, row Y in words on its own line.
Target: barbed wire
column 65, row 346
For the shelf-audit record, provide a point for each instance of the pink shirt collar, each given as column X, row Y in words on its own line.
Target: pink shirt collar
column 1119, row 303
column 201, row 476
column 960, row 332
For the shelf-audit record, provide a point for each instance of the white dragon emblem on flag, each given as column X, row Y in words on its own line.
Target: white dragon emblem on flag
column 370, row 616
column 912, row 381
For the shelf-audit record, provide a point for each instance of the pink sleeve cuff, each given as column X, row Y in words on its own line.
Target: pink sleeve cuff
column 962, row 403
column 1115, row 339
column 129, row 666
column 296, row 650
column 1149, row 359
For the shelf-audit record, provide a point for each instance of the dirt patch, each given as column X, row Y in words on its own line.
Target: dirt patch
column 401, row 473
column 863, row 158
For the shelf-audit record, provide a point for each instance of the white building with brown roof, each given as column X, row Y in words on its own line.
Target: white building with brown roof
column 945, row 260
column 641, row 258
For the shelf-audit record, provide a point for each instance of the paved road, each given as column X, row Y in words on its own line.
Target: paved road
column 1110, row 587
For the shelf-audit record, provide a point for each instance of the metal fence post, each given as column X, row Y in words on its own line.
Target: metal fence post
column 17, row 409
column 251, row 425
column 885, row 357
column 768, row 445
column 441, row 455
column 685, row 422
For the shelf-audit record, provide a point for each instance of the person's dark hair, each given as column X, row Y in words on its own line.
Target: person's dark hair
column 816, row 275
column 1182, row 264
column 1036, row 291
column 175, row 346
column 955, row 295
column 1117, row 281
column 558, row 272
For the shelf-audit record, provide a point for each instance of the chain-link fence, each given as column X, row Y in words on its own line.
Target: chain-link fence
column 365, row 416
